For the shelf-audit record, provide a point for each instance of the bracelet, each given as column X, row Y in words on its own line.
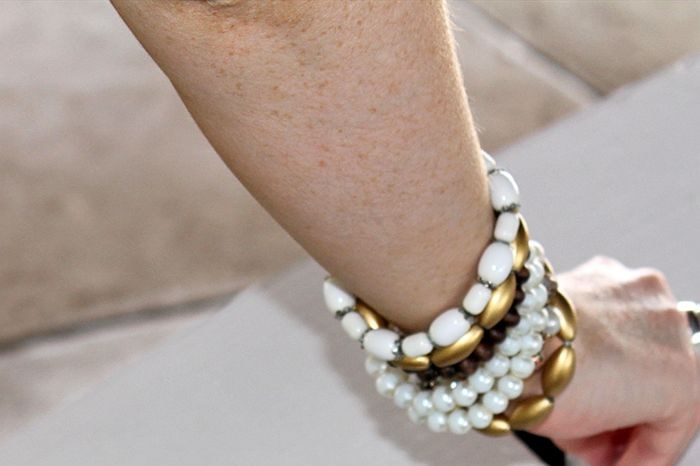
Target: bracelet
column 467, row 370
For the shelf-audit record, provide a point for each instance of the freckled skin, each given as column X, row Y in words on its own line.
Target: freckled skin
column 348, row 122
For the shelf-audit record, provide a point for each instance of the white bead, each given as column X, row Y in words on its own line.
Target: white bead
column 506, row 227
column 442, row 400
column 354, row 325
column 553, row 323
column 375, row 366
column 535, row 298
column 463, row 394
column 437, row 421
column 476, row 299
column 381, row 343
column 536, row 270
column 481, row 381
column 531, row 344
column 387, row 382
column 479, row 416
column 335, row 295
column 498, row 365
column 504, row 190
column 537, row 320
column 510, row 346
column 488, row 161
column 404, row 394
column 522, row 328
column 536, row 249
column 496, row 263
column 522, row 367
column 423, row 403
column 417, row 344
column 414, row 416
column 510, row 386
column 496, row 402
column 448, row 327
column 458, row 422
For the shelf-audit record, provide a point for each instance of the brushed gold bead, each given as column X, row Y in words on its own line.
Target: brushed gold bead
column 415, row 364
column 499, row 303
column 458, row 350
column 499, row 426
column 372, row 319
column 567, row 313
column 530, row 411
column 558, row 371
column 522, row 245
column 548, row 266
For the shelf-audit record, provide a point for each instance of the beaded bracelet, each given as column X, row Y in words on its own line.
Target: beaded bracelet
column 449, row 376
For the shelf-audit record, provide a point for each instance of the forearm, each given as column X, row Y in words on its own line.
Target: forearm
column 347, row 121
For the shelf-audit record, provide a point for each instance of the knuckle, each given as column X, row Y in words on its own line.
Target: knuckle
column 652, row 278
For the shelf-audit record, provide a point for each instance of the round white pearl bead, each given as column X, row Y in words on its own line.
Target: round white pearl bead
column 381, row 343
column 375, row 366
column 414, row 416
column 506, row 227
column 481, row 381
column 510, row 386
column 531, row 344
column 335, row 295
column 498, row 365
column 510, row 346
column 354, row 325
column 496, row 263
column 479, row 416
column 448, row 327
column 553, row 323
column 458, row 422
column 522, row 367
column 417, row 344
column 437, row 421
column 536, row 249
column 404, row 394
column 476, row 299
column 442, row 400
column 496, row 402
column 463, row 394
column 536, row 270
column 535, row 298
column 522, row 328
column 423, row 403
column 537, row 320
column 387, row 382
column 504, row 190
column 488, row 161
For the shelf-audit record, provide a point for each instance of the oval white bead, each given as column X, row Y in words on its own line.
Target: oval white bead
column 417, row 344
column 448, row 327
column 504, row 191
column 381, row 343
column 496, row 402
column 510, row 346
column 476, row 299
column 458, row 422
column 496, row 263
column 479, row 416
column 442, row 400
column 354, row 325
column 463, row 394
column 498, row 365
column 506, row 227
column 375, row 366
column 423, row 403
column 336, row 297
column 387, row 382
column 510, row 386
column 522, row 367
column 481, row 381
column 437, row 421
column 404, row 394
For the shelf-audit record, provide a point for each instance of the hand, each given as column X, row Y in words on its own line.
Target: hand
column 634, row 400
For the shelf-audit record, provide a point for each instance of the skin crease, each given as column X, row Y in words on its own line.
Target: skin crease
column 348, row 122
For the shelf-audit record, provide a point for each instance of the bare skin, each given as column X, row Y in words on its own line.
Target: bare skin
column 348, row 123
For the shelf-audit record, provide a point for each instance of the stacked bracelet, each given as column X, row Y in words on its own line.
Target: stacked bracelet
column 468, row 369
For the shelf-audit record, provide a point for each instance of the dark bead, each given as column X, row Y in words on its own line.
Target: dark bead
column 512, row 318
column 519, row 296
column 496, row 334
column 550, row 283
column 468, row 366
column 459, row 375
column 427, row 385
column 484, row 351
column 448, row 371
column 523, row 274
column 428, row 375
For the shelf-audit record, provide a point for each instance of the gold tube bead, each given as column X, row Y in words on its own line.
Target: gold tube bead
column 566, row 311
column 457, row 351
column 530, row 411
column 558, row 371
column 499, row 303
column 499, row 426
column 415, row 364
column 372, row 319
column 522, row 245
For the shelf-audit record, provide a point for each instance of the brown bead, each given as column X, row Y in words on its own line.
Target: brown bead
column 427, row 385
column 523, row 274
column 468, row 366
column 550, row 283
column 448, row 371
column 512, row 318
column 519, row 296
column 428, row 375
column 484, row 351
column 497, row 334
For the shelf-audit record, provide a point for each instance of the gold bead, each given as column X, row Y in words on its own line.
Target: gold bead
column 457, row 351
column 530, row 411
column 499, row 426
column 415, row 364
column 499, row 303
column 558, row 371
column 372, row 319
column 548, row 266
column 522, row 245
column 566, row 310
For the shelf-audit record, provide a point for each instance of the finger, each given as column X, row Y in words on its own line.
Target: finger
column 656, row 445
column 598, row 450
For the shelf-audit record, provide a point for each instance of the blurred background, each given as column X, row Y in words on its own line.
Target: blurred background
column 120, row 226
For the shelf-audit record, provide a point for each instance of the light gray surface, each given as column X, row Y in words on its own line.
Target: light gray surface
column 624, row 177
